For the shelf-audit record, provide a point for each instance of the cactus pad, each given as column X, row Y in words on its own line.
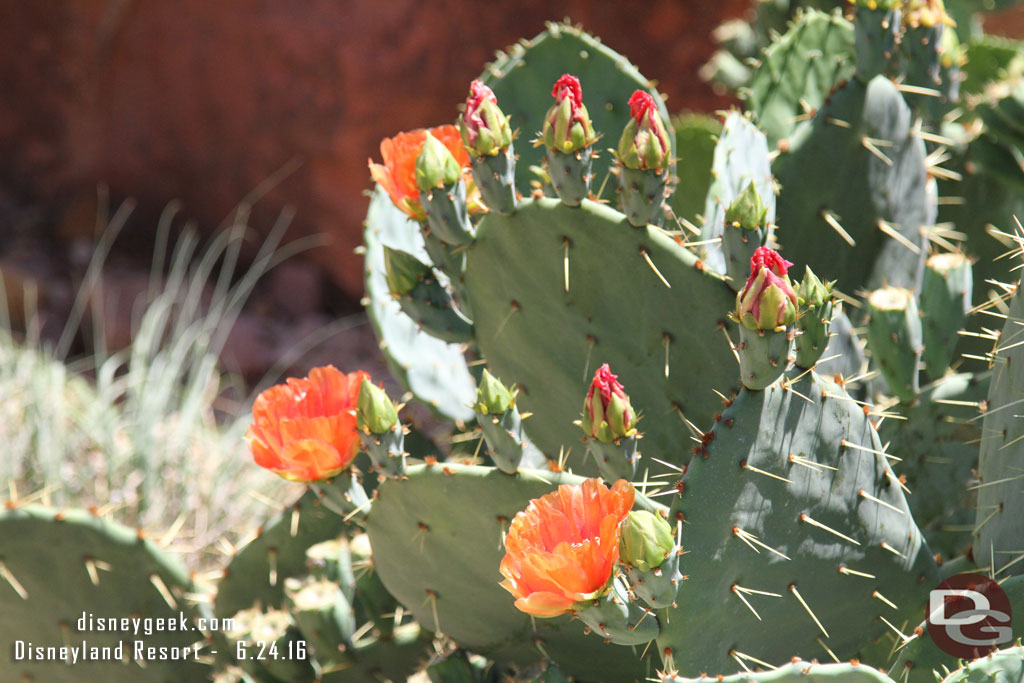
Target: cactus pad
column 532, row 331
column 792, row 498
column 437, row 539
column 56, row 567
column 433, row 370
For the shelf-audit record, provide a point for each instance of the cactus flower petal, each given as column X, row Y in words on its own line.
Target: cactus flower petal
column 561, row 550
column 397, row 175
column 305, row 430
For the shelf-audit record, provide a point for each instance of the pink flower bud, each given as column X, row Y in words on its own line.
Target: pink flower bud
column 607, row 414
column 567, row 125
column 767, row 301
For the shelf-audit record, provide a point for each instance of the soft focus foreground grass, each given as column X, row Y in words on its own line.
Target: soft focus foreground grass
column 133, row 432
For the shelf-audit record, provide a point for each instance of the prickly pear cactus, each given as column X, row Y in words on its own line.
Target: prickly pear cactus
column 522, row 75
column 999, row 526
column 544, row 293
column 797, row 70
column 259, row 570
column 434, row 370
column 791, row 503
column 863, row 134
column 437, row 536
column 798, row 672
column 62, row 571
column 741, row 158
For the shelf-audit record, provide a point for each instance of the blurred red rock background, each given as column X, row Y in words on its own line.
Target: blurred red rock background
column 202, row 101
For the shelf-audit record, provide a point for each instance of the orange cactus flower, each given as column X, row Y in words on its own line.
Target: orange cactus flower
column 561, row 550
column 305, row 430
column 397, row 175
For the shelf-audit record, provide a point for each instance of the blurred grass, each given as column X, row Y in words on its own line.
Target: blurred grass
column 134, row 432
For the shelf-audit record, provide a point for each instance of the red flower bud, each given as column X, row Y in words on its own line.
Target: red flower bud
column 568, row 86
column 567, row 125
column 767, row 301
column 607, row 414
column 641, row 104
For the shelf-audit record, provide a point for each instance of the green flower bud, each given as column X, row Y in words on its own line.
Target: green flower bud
column 375, row 413
column 747, row 211
column 493, row 397
column 646, row 540
column 812, row 292
column 435, row 166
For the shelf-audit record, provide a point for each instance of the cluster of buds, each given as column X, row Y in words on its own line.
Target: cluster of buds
column 643, row 154
column 607, row 414
column 568, row 135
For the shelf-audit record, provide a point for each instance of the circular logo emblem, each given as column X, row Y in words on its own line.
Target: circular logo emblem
column 969, row 616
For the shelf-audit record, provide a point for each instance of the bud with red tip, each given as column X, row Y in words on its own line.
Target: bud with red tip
column 767, row 301
column 569, row 136
column 484, row 127
column 488, row 137
column 645, row 143
column 567, row 125
column 607, row 414
column 610, row 426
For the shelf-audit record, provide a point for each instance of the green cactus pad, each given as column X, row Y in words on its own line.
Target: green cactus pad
column 894, row 339
column 1004, row 666
column 434, row 371
column 617, row 310
column 878, row 30
column 431, row 306
column 792, row 498
column 937, row 447
column 58, row 566
column 798, row 70
column 945, row 300
column 797, row 672
column 741, row 158
column 1000, row 517
column 385, row 659
column 696, row 135
column 853, row 164
column 437, row 540
column 258, row 572
column 522, row 78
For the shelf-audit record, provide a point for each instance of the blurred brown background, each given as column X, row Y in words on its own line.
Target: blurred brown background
column 201, row 101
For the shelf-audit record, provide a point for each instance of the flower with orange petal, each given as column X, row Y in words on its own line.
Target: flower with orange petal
column 305, row 430
column 561, row 550
column 397, row 175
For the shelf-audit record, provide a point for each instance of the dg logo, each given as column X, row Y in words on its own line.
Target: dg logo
column 969, row 616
